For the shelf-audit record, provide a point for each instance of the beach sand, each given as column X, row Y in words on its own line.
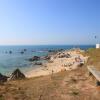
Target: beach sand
column 59, row 62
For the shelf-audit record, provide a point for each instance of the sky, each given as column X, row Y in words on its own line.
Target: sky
column 44, row 22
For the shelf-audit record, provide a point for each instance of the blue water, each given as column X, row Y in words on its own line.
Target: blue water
column 9, row 62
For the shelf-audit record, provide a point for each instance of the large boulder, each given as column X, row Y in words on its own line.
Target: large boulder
column 22, row 52
column 47, row 58
column 10, row 52
column 3, row 78
column 35, row 58
column 38, row 63
column 17, row 75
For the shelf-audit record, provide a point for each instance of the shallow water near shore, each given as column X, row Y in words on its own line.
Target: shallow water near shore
column 9, row 62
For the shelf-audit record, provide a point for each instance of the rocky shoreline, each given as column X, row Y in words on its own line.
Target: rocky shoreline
column 56, row 62
column 60, row 61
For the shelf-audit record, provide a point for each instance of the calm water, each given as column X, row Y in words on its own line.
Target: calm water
column 9, row 62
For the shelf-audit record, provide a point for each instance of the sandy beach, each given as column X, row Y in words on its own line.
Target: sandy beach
column 65, row 60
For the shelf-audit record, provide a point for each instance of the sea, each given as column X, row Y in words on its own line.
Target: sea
column 12, row 57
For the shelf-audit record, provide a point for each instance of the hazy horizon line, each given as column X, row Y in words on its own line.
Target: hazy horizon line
column 44, row 44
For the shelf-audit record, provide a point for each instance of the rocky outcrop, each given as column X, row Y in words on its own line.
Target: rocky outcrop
column 10, row 52
column 16, row 75
column 35, row 58
column 3, row 78
column 57, row 50
column 47, row 57
column 38, row 63
column 80, row 64
column 22, row 52
column 25, row 50
column 62, row 55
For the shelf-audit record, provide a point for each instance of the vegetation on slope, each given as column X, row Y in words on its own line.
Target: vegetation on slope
column 65, row 85
column 94, row 57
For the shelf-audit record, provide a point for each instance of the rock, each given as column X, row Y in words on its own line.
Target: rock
column 50, row 61
column 22, row 52
column 51, row 50
column 38, row 63
column 98, row 83
column 17, row 74
column 58, row 50
column 3, row 78
column 25, row 49
column 10, row 52
column 35, row 58
column 68, row 55
column 62, row 55
column 47, row 58
column 80, row 64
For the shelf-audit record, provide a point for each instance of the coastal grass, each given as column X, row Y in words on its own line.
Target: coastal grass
column 94, row 57
column 65, row 85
